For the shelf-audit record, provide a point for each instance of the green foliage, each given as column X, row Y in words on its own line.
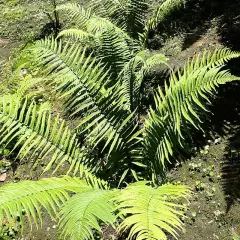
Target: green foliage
column 159, row 14
column 27, row 197
column 131, row 16
column 82, row 212
column 33, row 129
column 183, row 103
column 129, row 150
column 86, row 91
column 151, row 210
column 101, row 84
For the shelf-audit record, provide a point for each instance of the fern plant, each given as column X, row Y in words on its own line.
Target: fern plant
column 113, row 149
column 133, row 18
column 116, row 31
column 128, row 149
column 109, row 118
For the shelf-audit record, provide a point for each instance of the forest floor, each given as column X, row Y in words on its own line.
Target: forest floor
column 213, row 170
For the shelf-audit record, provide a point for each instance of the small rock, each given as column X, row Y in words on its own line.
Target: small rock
column 48, row 229
column 206, row 147
column 217, row 213
column 3, row 177
column 54, row 226
column 217, row 141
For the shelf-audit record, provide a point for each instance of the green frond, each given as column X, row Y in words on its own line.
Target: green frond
column 77, row 34
column 27, row 198
column 82, row 82
column 163, row 10
column 114, row 51
column 133, row 73
column 106, row 8
column 149, row 212
column 38, row 135
column 77, row 13
column 82, row 213
column 182, row 106
column 85, row 20
column 208, row 59
column 136, row 11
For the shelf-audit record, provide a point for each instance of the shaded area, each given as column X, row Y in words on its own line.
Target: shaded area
column 195, row 19
column 229, row 26
column 231, row 173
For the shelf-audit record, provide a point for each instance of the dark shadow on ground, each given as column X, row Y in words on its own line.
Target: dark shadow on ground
column 194, row 20
column 231, row 172
column 229, row 27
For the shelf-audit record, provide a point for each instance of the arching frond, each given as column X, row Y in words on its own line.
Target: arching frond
column 37, row 135
column 82, row 82
column 82, row 213
column 76, row 33
column 114, row 51
column 27, row 198
column 208, row 59
column 106, row 8
column 77, row 13
column 133, row 73
column 136, row 11
column 182, row 105
column 151, row 212
column 163, row 9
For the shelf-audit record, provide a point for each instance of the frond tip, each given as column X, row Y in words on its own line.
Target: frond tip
column 83, row 211
column 151, row 212
column 29, row 197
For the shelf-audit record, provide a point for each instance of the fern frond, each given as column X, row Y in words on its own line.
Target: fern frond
column 163, row 10
column 82, row 213
column 38, row 135
column 208, row 59
column 83, row 84
column 77, row 13
column 114, row 51
column 136, row 11
column 151, row 212
column 182, row 105
column 76, row 33
column 106, row 8
column 27, row 198
column 133, row 73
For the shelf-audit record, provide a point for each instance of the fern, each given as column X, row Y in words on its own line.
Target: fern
column 184, row 100
column 135, row 13
column 78, row 13
column 114, row 51
column 133, row 73
column 83, row 83
column 102, row 90
column 151, row 212
column 162, row 10
column 38, row 135
column 83, row 211
column 29, row 197
column 80, row 214
column 78, row 34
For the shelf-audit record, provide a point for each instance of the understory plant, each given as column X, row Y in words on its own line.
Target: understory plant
column 114, row 154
